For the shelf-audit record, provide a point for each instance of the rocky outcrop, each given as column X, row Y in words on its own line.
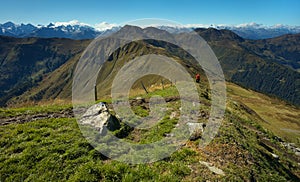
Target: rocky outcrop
column 292, row 147
column 98, row 116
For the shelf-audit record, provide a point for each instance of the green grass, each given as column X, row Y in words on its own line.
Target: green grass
column 10, row 112
column 277, row 116
column 55, row 150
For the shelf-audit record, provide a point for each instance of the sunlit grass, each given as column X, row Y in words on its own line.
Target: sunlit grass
column 55, row 150
column 278, row 116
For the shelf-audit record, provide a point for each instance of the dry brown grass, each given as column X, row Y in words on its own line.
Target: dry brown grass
column 279, row 117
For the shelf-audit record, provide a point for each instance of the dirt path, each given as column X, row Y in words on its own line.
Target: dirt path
column 68, row 113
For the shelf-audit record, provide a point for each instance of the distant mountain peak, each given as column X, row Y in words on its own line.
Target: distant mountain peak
column 50, row 25
column 71, row 23
column 77, row 30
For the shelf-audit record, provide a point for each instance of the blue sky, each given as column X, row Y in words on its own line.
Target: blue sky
column 232, row 12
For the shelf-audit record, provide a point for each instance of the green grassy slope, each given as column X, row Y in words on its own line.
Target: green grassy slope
column 54, row 149
column 276, row 115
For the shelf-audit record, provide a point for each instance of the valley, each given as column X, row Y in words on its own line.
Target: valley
column 258, row 140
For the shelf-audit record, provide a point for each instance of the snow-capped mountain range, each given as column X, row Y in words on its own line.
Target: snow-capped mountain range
column 77, row 30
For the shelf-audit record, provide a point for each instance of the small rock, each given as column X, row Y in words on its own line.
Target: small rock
column 275, row 156
column 168, row 134
column 173, row 115
column 212, row 168
column 278, row 139
column 140, row 100
column 196, row 130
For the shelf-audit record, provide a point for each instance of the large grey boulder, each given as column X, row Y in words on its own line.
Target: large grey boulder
column 98, row 116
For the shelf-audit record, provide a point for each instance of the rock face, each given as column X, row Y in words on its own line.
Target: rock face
column 98, row 116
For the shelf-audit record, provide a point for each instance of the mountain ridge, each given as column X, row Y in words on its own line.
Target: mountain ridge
column 77, row 30
column 243, row 62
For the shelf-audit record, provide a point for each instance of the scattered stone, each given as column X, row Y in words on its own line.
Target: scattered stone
column 196, row 130
column 292, row 147
column 168, row 134
column 171, row 99
column 173, row 115
column 212, row 168
column 265, row 138
column 203, row 114
column 278, row 139
column 140, row 100
column 275, row 156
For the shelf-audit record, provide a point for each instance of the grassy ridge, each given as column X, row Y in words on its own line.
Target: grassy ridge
column 11, row 112
column 269, row 66
column 277, row 116
column 55, row 150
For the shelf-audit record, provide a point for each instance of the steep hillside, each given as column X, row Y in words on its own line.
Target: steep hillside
column 25, row 62
column 254, row 142
column 284, row 50
column 240, row 59
column 135, row 49
column 275, row 115
column 261, row 65
column 244, row 62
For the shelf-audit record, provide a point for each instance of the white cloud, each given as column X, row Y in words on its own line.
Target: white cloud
column 104, row 26
column 197, row 26
column 250, row 25
column 72, row 23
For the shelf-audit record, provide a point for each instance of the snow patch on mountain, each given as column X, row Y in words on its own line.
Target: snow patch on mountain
column 105, row 26
column 71, row 23
column 77, row 30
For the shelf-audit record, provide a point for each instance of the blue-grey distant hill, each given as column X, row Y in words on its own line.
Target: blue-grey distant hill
column 79, row 31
